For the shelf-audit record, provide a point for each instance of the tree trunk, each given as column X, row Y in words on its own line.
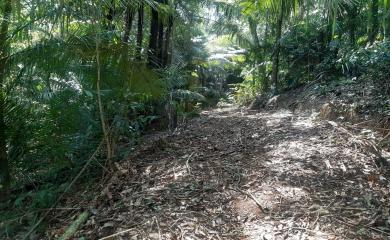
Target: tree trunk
column 110, row 16
column 264, row 65
column 352, row 24
column 253, row 31
column 161, row 40
column 386, row 23
column 160, row 43
column 129, row 15
column 6, row 8
column 373, row 22
column 167, row 45
column 255, row 49
column 140, row 33
column 275, row 59
column 329, row 28
column 100, row 105
column 154, row 27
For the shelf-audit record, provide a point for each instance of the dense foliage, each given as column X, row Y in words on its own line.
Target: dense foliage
column 291, row 43
column 76, row 76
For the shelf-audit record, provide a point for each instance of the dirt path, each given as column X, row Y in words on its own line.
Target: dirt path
column 203, row 182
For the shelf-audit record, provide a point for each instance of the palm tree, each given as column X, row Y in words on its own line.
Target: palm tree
column 160, row 34
column 231, row 22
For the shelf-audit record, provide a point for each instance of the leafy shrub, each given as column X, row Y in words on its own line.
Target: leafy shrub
column 302, row 51
column 370, row 63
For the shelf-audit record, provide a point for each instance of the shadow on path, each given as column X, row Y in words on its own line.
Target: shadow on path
column 311, row 182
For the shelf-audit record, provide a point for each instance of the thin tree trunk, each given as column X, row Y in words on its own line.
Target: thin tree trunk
column 275, row 59
column 153, row 38
column 63, row 19
column 100, row 105
column 253, row 31
column 110, row 16
column 160, row 43
column 140, row 33
column 373, row 22
column 352, row 25
column 161, row 40
column 329, row 30
column 129, row 16
column 167, row 45
column 256, row 49
column 264, row 66
column 4, row 45
column 386, row 23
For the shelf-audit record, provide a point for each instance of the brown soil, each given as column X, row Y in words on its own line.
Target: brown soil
column 240, row 174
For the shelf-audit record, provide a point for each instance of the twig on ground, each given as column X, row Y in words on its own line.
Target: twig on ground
column 117, row 234
column 351, row 208
column 188, row 163
column 158, row 228
column 174, row 223
column 383, row 139
column 251, row 196
column 309, row 230
column 315, row 221
column 357, row 124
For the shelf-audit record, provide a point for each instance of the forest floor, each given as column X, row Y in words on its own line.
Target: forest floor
column 239, row 174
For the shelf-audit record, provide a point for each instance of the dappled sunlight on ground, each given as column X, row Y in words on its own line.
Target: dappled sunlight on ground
column 234, row 174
